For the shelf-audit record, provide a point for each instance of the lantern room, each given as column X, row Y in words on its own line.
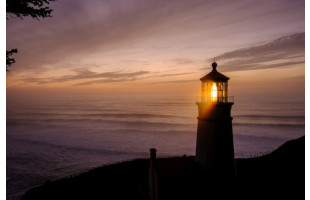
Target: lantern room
column 214, row 86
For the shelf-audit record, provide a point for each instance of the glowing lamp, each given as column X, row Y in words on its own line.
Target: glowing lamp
column 214, row 86
column 214, row 92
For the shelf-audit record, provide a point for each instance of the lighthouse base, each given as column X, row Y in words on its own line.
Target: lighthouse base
column 214, row 147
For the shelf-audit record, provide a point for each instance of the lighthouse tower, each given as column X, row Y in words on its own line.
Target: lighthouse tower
column 214, row 147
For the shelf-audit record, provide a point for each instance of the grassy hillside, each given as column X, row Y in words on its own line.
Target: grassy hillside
column 278, row 175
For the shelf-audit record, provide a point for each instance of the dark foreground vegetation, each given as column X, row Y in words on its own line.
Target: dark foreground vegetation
column 278, row 175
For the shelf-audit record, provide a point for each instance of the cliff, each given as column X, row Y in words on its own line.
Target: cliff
column 278, row 175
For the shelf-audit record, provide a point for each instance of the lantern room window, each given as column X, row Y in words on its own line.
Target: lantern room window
column 214, row 92
column 214, row 86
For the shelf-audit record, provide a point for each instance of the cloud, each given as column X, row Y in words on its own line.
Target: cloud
column 81, row 74
column 172, row 74
column 79, row 28
column 108, row 80
column 176, row 81
column 105, row 77
column 283, row 52
column 298, row 77
column 128, row 78
column 180, row 61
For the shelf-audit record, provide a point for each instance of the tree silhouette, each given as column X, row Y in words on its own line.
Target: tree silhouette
column 10, row 61
column 33, row 8
column 23, row 8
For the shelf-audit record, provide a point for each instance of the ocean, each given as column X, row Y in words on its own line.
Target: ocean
column 50, row 137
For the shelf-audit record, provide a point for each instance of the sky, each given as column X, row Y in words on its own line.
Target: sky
column 160, row 46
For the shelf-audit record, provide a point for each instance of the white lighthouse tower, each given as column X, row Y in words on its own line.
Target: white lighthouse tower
column 214, row 147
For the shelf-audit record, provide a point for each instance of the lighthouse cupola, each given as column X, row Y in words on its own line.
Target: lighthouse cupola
column 214, row 86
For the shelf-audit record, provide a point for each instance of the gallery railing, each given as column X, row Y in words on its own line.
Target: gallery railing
column 229, row 99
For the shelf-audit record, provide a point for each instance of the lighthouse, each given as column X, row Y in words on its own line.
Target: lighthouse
column 214, row 145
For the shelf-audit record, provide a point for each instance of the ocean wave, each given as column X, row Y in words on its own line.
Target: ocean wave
column 269, row 125
column 70, row 148
column 141, row 122
column 48, row 115
column 97, row 121
column 128, row 115
column 299, row 117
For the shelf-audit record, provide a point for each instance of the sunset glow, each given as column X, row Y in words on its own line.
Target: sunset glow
column 159, row 47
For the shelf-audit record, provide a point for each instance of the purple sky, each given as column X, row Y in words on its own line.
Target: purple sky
column 160, row 46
